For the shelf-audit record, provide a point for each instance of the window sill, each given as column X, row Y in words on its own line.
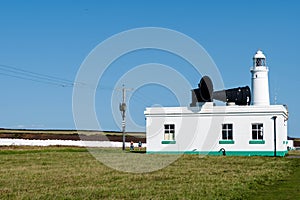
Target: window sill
column 256, row 142
column 168, row 142
column 226, row 142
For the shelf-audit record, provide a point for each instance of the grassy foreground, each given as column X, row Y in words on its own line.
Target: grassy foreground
column 73, row 173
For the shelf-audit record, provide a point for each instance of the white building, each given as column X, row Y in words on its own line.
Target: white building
column 256, row 129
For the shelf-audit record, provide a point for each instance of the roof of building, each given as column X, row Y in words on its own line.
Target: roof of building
column 210, row 109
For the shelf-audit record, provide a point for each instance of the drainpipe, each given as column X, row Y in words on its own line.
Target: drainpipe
column 274, row 118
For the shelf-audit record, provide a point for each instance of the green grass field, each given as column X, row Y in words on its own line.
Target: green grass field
column 73, row 173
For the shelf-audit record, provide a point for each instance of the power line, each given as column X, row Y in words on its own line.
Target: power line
column 13, row 69
column 15, row 72
column 35, row 80
column 146, row 98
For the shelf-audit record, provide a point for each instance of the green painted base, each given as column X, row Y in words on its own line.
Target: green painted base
column 257, row 142
column 168, row 142
column 226, row 142
column 228, row 153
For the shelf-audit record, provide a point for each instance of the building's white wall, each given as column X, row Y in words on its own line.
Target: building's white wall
column 291, row 144
column 202, row 130
column 281, row 133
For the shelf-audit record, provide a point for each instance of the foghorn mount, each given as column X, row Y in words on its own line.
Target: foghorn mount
column 205, row 93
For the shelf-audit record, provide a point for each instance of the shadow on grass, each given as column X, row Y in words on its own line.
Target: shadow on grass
column 137, row 151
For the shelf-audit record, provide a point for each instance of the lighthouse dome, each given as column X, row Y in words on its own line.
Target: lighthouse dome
column 259, row 54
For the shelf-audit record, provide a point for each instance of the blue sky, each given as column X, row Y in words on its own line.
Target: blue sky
column 54, row 37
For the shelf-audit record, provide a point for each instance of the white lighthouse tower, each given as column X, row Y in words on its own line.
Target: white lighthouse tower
column 260, row 83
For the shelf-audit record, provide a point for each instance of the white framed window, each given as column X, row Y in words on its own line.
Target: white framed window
column 227, row 132
column 169, row 132
column 257, row 131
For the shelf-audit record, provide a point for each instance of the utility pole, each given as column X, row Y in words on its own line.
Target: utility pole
column 123, row 107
